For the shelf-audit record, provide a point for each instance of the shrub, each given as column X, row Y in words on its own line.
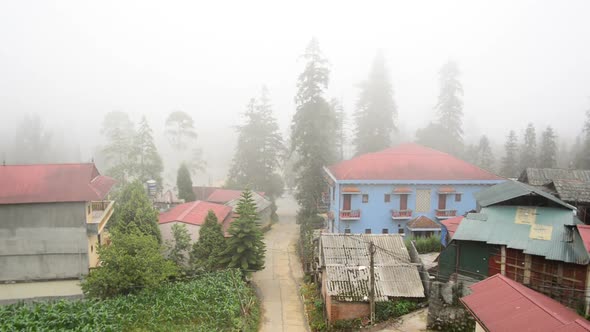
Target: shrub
column 393, row 309
column 425, row 245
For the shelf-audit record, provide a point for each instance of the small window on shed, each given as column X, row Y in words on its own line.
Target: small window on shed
column 385, row 231
column 365, row 198
column 367, row 231
column 88, row 209
column 401, row 230
column 457, row 197
column 387, row 198
column 347, row 231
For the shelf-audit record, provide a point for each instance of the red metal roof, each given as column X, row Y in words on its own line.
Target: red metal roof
column 502, row 304
column 585, row 235
column 48, row 183
column 452, row 224
column 224, row 195
column 194, row 213
column 408, row 161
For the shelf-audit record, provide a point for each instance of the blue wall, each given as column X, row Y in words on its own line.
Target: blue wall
column 376, row 214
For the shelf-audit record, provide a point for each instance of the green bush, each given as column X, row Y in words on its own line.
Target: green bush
column 314, row 307
column 219, row 301
column 393, row 309
column 425, row 245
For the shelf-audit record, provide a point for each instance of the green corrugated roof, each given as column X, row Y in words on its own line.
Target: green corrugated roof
column 500, row 228
column 512, row 189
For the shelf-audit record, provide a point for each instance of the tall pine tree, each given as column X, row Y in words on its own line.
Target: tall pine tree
column 548, row 151
column 582, row 159
column 450, row 108
column 312, row 131
column 528, row 150
column 245, row 248
column 185, row 184
column 510, row 161
column 135, row 211
column 148, row 163
column 207, row 251
column 485, row 156
column 375, row 110
column 119, row 132
column 259, row 150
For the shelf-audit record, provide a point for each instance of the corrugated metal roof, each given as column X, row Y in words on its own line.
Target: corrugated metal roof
column 511, row 226
column 194, row 213
column 261, row 202
column 543, row 176
column 409, row 161
column 346, row 260
column 573, row 190
column 48, row 183
column 502, row 304
column 512, row 189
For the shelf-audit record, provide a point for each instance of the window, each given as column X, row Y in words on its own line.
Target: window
column 347, row 231
column 403, row 202
column 387, row 198
column 367, row 231
column 385, row 231
column 88, row 208
column 457, row 197
column 401, row 230
column 365, row 198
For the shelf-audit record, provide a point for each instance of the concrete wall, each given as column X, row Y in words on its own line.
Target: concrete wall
column 376, row 213
column 264, row 216
column 166, row 230
column 43, row 241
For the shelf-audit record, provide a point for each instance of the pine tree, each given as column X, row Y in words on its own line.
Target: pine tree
column 528, row 150
column 375, row 110
column 207, row 252
column 245, row 248
column 119, row 132
column 135, row 211
column 312, row 131
column 341, row 130
column 148, row 163
column 450, row 108
column 179, row 246
column 485, row 156
column 583, row 157
column 185, row 184
column 509, row 161
column 548, row 153
column 259, row 150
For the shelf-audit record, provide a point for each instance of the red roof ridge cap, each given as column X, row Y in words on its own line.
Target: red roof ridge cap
column 187, row 211
column 510, row 282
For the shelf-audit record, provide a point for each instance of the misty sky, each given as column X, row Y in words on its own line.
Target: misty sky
column 73, row 61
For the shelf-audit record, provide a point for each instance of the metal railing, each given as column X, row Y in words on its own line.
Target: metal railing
column 350, row 214
column 444, row 213
column 401, row 214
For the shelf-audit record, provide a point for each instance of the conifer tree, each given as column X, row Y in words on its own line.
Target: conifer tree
column 510, row 161
column 375, row 110
column 179, row 246
column 259, row 150
column 148, row 163
column 582, row 159
column 548, row 153
column 185, row 184
column 450, row 108
column 245, row 248
column 312, row 131
column 485, row 157
column 135, row 211
column 341, row 130
column 119, row 132
column 528, row 150
column 207, row 252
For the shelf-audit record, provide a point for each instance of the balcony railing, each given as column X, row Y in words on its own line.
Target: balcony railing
column 350, row 214
column 444, row 214
column 101, row 213
column 401, row 214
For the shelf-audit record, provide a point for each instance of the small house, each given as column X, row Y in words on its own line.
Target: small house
column 344, row 263
column 423, row 227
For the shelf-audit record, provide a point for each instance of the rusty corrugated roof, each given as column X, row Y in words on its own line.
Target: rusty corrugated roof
column 502, row 304
column 346, row 260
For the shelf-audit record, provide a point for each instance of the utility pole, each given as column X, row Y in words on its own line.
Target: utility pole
column 372, row 280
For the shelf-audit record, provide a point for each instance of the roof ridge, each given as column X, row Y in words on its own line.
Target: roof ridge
column 46, row 164
column 540, row 305
column 187, row 211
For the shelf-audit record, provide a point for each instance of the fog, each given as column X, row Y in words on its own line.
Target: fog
column 72, row 62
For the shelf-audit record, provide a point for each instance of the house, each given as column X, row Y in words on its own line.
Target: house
column 423, row 226
column 570, row 185
column 166, row 200
column 193, row 214
column 527, row 235
column 344, row 272
column 499, row 303
column 52, row 220
column 231, row 197
column 381, row 192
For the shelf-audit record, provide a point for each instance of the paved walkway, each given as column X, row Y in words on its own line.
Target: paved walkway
column 279, row 282
column 412, row 322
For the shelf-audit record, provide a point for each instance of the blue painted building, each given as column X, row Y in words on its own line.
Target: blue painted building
column 381, row 192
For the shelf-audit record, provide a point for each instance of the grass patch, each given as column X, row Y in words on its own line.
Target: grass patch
column 393, row 309
column 219, row 301
column 425, row 245
column 314, row 307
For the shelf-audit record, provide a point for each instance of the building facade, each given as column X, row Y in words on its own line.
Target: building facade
column 381, row 192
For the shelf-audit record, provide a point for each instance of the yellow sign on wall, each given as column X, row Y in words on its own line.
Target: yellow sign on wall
column 525, row 215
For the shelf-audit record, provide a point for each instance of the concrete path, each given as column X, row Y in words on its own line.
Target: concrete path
column 414, row 321
column 279, row 282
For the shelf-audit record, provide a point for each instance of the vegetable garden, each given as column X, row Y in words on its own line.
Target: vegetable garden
column 219, row 301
